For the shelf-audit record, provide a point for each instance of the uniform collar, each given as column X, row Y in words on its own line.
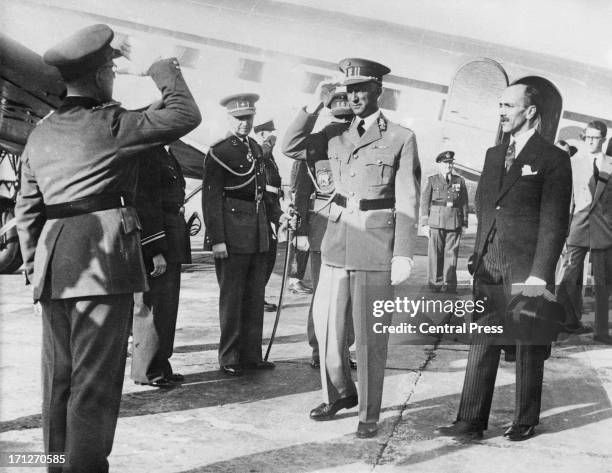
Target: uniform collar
column 369, row 120
column 80, row 101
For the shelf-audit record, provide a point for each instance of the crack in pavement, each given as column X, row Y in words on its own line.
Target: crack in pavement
column 430, row 356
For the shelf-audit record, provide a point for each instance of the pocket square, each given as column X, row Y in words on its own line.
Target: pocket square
column 527, row 170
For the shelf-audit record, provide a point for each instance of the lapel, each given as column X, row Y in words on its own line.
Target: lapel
column 527, row 156
column 602, row 182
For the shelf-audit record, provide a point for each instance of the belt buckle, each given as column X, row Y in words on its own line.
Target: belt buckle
column 352, row 203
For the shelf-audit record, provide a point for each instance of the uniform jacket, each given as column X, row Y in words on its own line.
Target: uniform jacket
column 592, row 226
column 272, row 194
column 530, row 211
column 453, row 213
column 230, row 187
column 382, row 164
column 159, row 199
column 83, row 149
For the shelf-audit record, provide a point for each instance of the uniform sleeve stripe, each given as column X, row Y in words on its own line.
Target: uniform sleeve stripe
column 152, row 238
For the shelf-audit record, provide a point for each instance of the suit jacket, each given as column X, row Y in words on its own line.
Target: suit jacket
column 231, row 181
column 160, row 195
column 592, row 226
column 453, row 213
column 530, row 210
column 83, row 149
column 382, row 164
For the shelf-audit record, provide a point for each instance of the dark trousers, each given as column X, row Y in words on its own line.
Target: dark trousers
column 492, row 285
column 271, row 261
column 83, row 363
column 154, row 326
column 241, row 279
column 569, row 290
column 602, row 274
column 299, row 260
column 443, row 252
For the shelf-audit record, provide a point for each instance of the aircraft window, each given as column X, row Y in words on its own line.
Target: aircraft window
column 251, row 70
column 311, row 80
column 389, row 98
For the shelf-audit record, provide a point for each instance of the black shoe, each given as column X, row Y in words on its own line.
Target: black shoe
column 269, row 306
column 352, row 364
column 232, row 370
column 162, row 383
column 315, row 363
column 518, row 433
column 176, row 377
column 366, row 430
column 328, row 411
column 461, row 429
column 300, row 288
column 451, row 290
column 259, row 365
column 606, row 339
column 577, row 329
column 435, row 288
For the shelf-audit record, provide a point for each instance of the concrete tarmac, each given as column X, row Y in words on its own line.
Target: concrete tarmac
column 259, row 422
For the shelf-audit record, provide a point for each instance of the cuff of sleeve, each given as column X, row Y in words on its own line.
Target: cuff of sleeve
column 407, row 259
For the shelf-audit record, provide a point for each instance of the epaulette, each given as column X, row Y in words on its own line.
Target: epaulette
column 109, row 104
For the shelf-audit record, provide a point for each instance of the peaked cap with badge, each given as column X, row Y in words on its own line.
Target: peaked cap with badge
column 446, row 157
column 357, row 70
column 240, row 105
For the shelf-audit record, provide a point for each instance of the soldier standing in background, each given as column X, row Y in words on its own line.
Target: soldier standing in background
column 444, row 213
column 272, row 195
column 80, row 235
column 165, row 245
column 238, row 231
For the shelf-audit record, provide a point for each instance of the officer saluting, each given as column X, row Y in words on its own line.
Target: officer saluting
column 369, row 240
column 238, row 231
column 444, row 212
column 80, row 236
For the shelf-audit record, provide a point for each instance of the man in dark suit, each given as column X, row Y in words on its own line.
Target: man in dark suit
column 522, row 204
column 238, row 231
column 444, row 213
column 165, row 246
column 369, row 240
column 590, row 229
column 80, row 236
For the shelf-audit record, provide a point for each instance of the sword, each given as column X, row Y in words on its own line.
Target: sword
column 279, row 307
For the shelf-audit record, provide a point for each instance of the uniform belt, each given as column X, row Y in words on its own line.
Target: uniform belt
column 365, row 204
column 241, row 196
column 87, row 205
column 173, row 208
column 444, row 204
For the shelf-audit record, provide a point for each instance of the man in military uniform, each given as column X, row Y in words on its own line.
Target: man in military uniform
column 238, row 231
column 314, row 189
column 165, row 245
column 80, row 239
column 370, row 236
column 444, row 212
column 272, row 195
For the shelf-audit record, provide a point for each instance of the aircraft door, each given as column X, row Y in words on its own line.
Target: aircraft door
column 471, row 120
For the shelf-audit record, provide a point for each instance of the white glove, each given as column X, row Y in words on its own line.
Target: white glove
column 140, row 57
column 401, row 267
column 220, row 250
column 301, row 243
column 532, row 287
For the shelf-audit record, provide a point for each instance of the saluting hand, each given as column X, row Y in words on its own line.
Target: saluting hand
column 323, row 95
column 140, row 57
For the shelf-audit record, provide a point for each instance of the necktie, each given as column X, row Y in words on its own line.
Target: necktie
column 448, row 178
column 510, row 155
column 595, row 169
column 360, row 128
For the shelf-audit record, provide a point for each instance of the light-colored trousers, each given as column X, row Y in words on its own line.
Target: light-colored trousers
column 338, row 290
